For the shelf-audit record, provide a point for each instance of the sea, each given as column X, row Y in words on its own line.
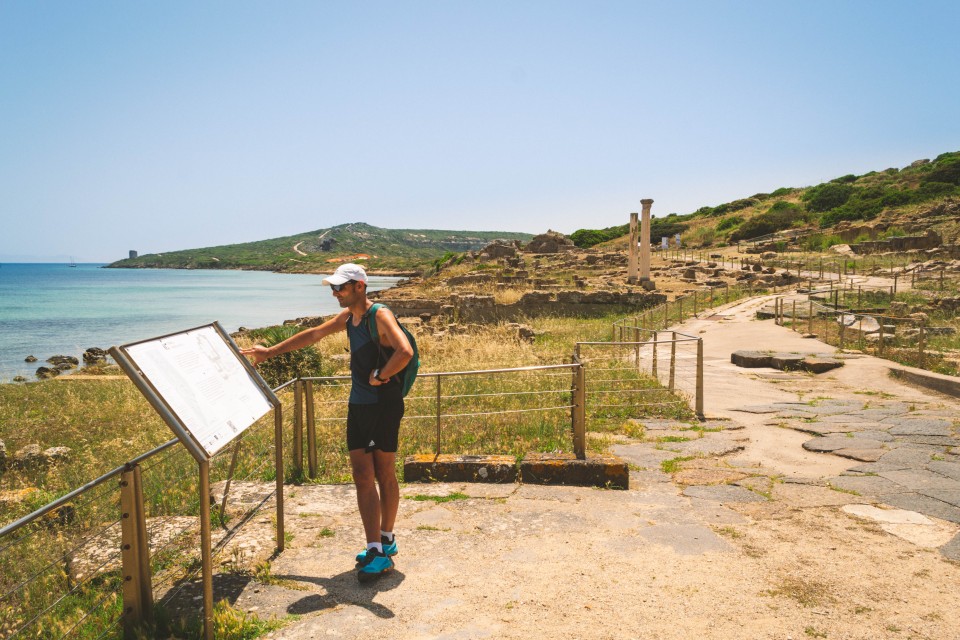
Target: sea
column 60, row 309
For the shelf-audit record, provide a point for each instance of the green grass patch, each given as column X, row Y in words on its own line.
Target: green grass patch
column 673, row 465
column 451, row 497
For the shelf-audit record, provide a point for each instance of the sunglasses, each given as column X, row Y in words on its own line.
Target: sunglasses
column 339, row 287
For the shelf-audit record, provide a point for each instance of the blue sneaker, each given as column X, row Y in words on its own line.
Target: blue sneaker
column 374, row 565
column 389, row 549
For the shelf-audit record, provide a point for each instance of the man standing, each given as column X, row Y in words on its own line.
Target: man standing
column 375, row 407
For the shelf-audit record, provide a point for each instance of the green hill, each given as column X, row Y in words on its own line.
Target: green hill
column 891, row 194
column 316, row 251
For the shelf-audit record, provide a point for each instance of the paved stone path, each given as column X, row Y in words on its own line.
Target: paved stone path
column 806, row 505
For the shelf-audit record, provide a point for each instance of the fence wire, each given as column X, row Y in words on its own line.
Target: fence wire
column 60, row 575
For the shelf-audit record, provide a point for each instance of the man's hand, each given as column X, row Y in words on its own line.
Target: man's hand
column 373, row 380
column 257, row 353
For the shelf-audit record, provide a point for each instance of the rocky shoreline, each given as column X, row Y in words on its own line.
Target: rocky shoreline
column 93, row 357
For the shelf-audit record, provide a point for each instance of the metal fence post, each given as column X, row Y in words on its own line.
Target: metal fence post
column 135, row 554
column 278, row 468
column 673, row 362
column 298, row 427
column 636, row 347
column 579, row 410
column 793, row 316
column 311, row 431
column 810, row 317
column 699, row 408
column 206, row 549
column 653, row 360
column 922, row 337
column 438, row 415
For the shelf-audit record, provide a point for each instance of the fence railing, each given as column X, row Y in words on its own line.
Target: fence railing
column 843, row 317
column 94, row 562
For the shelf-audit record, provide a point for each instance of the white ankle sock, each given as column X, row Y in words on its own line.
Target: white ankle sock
column 386, row 534
column 375, row 545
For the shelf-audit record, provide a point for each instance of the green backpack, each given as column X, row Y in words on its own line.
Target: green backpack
column 409, row 373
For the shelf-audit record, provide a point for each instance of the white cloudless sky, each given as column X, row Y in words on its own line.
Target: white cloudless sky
column 176, row 125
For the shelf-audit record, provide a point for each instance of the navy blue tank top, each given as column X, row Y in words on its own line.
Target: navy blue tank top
column 365, row 356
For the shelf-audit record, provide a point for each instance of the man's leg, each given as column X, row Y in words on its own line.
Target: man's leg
column 368, row 501
column 385, row 467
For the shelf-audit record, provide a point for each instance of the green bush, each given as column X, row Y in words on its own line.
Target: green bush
column 286, row 366
column 946, row 170
column 782, row 191
column 827, row 196
column 729, row 223
column 736, row 205
column 782, row 215
column 932, row 189
column 858, row 210
column 586, row 238
column 896, row 198
column 847, row 179
column 819, row 242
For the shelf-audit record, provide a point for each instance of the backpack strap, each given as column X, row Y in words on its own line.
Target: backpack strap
column 372, row 322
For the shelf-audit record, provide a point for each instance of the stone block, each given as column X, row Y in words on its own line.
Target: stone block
column 750, row 359
column 566, row 469
column 820, row 365
column 459, row 468
column 787, row 361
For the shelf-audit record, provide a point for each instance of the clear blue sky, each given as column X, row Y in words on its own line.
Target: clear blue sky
column 172, row 125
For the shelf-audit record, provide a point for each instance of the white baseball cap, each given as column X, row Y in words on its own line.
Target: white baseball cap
column 346, row 273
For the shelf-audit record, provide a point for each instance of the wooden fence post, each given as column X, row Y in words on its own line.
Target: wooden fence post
column 135, row 554
column 579, row 410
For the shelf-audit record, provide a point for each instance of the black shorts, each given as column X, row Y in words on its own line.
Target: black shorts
column 374, row 426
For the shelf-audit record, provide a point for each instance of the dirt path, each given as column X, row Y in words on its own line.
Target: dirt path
column 765, row 550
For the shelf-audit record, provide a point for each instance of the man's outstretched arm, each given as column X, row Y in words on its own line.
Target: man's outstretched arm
column 258, row 353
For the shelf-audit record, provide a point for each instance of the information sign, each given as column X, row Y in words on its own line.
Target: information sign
column 205, row 382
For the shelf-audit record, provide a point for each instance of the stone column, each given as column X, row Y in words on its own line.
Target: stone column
column 632, row 264
column 645, row 245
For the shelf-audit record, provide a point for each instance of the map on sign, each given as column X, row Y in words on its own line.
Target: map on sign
column 204, row 382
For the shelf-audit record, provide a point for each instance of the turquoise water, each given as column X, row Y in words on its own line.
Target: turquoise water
column 55, row 309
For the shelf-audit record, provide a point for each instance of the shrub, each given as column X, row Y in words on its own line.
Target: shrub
column 946, row 170
column 847, row 179
column 586, row 238
column 782, row 191
column 286, row 366
column 858, row 209
column 893, row 232
column 736, row 205
column 820, row 242
column 702, row 237
column 932, row 189
column 782, row 215
column 896, row 197
column 827, row 196
column 729, row 223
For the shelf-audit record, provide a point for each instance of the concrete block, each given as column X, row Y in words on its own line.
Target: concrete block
column 750, row 359
column 786, row 361
column 456, row 468
column 565, row 468
column 820, row 365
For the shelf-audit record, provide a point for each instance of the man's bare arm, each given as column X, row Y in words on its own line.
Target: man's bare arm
column 259, row 353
